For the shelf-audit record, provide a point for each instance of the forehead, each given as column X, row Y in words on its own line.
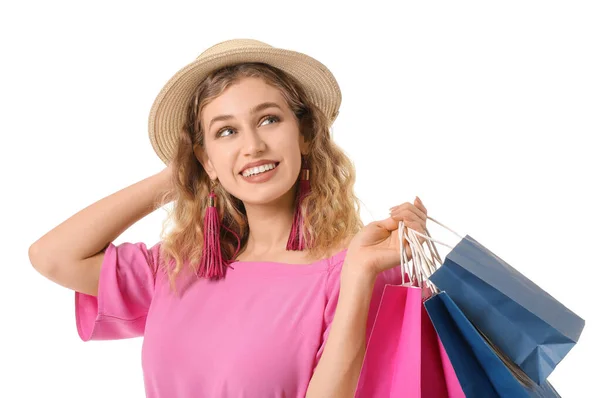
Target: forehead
column 242, row 96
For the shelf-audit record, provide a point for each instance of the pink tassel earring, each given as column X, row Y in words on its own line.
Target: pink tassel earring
column 296, row 240
column 212, row 265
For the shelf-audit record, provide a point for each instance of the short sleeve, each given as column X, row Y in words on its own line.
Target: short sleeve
column 125, row 290
column 332, row 292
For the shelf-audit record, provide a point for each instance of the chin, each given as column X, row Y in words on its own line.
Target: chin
column 263, row 194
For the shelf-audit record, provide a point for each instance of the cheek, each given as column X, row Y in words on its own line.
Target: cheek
column 226, row 165
column 221, row 160
column 287, row 140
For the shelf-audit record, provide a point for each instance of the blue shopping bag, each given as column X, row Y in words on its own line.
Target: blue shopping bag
column 531, row 327
column 479, row 369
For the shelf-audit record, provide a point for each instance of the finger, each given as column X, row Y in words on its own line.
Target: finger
column 416, row 225
column 419, row 237
column 399, row 206
column 419, row 204
column 409, row 211
column 389, row 224
column 408, row 206
column 411, row 220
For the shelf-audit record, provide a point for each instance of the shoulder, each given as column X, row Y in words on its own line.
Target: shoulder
column 337, row 254
column 341, row 247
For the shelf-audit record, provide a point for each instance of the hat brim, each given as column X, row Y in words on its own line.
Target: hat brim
column 168, row 112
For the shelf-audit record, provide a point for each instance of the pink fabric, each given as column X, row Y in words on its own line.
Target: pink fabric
column 259, row 332
column 404, row 357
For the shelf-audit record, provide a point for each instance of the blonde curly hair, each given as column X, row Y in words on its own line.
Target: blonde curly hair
column 331, row 211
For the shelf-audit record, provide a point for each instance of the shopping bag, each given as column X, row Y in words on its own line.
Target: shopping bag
column 438, row 378
column 404, row 357
column 531, row 327
column 393, row 354
column 480, row 371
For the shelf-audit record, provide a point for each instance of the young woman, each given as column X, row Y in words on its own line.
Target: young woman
column 265, row 281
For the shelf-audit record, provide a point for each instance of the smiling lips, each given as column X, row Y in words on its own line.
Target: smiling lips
column 258, row 163
column 259, row 169
column 260, row 173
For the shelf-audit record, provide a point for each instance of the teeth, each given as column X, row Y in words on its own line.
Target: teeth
column 259, row 169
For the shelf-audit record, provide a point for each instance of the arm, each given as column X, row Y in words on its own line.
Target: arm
column 336, row 374
column 374, row 249
column 71, row 254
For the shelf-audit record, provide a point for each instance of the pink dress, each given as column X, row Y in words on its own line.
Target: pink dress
column 259, row 332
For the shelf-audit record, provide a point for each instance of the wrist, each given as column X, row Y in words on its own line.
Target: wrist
column 164, row 187
column 355, row 272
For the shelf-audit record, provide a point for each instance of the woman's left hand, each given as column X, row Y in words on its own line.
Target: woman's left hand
column 376, row 247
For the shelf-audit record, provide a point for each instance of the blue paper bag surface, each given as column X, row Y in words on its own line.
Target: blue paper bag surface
column 480, row 371
column 531, row 327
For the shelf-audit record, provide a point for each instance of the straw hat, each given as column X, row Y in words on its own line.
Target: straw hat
column 168, row 113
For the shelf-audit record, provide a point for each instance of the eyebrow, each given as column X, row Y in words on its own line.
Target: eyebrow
column 254, row 110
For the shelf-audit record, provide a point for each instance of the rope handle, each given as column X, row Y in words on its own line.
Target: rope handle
column 423, row 264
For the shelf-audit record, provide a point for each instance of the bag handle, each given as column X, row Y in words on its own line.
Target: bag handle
column 422, row 265
column 429, row 238
column 435, row 256
column 447, row 228
column 420, row 268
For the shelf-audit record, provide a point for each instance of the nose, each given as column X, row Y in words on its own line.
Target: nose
column 253, row 142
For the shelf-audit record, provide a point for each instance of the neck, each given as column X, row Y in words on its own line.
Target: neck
column 269, row 226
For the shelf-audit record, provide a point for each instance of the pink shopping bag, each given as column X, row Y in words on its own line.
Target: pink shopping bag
column 404, row 356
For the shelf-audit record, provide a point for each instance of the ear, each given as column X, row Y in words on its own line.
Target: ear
column 205, row 161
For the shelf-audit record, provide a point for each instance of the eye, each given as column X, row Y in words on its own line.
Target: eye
column 273, row 118
column 219, row 133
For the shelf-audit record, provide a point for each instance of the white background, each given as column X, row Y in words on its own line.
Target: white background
column 490, row 112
